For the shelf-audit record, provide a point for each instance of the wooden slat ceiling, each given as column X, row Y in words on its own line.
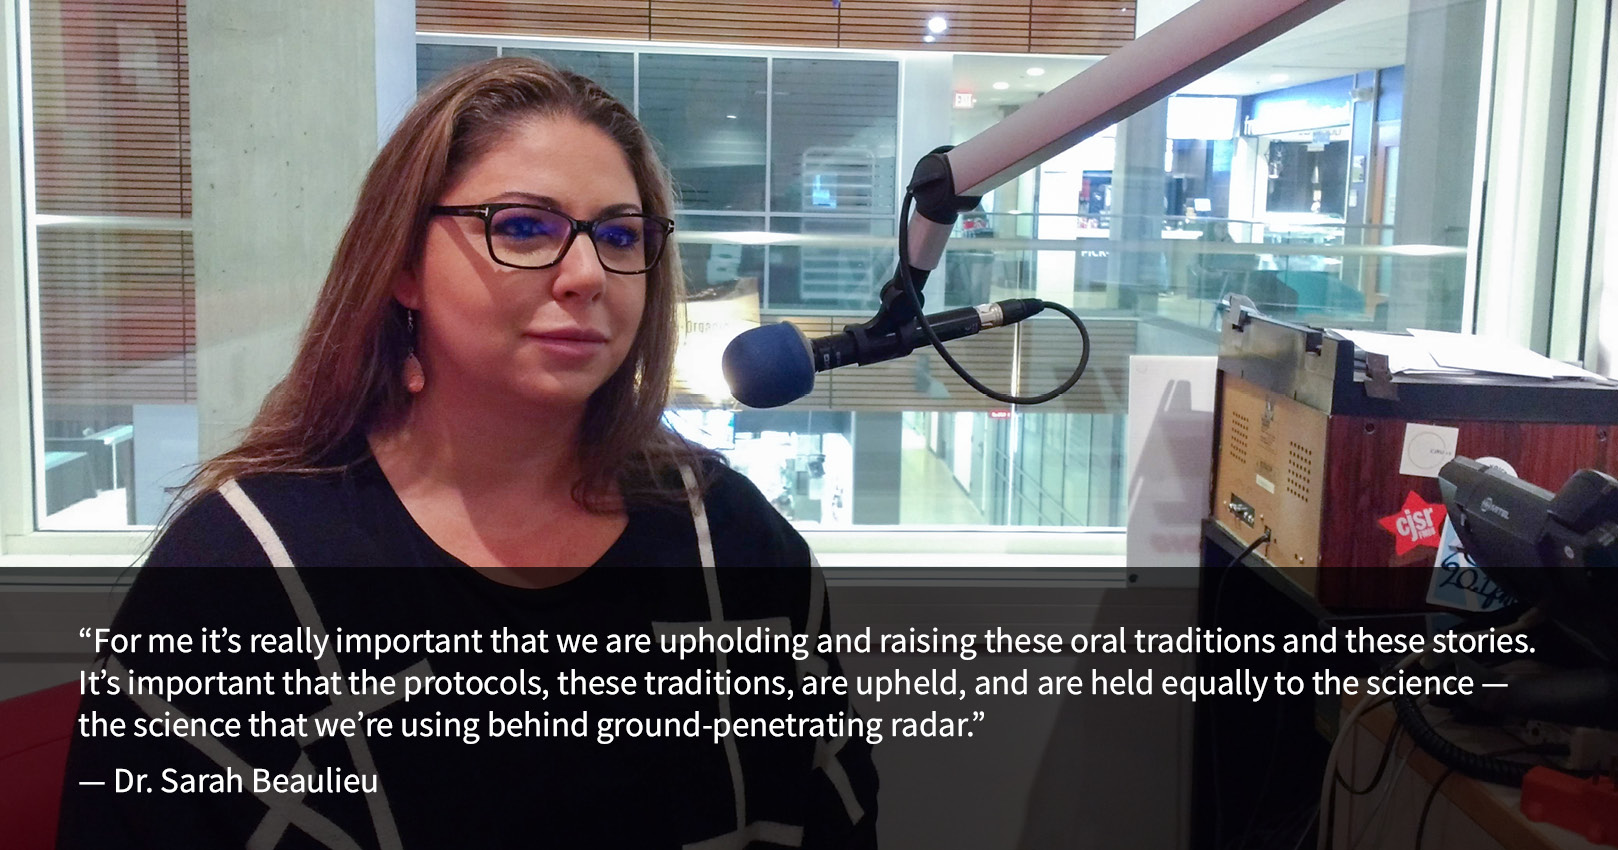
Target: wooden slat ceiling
column 985, row 25
column 1089, row 27
column 811, row 24
column 574, row 18
column 1085, row 27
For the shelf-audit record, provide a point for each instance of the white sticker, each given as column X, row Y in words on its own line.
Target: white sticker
column 1427, row 449
column 1458, row 582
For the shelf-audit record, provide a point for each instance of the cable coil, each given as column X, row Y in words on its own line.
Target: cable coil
column 1450, row 755
column 938, row 344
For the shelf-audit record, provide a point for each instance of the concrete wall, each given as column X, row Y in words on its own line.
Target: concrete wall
column 287, row 103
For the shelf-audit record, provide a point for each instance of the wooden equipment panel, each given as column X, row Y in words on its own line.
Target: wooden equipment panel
column 1270, row 453
column 1320, row 484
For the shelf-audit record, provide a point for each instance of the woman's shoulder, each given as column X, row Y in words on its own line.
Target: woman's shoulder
column 229, row 524
column 728, row 493
column 204, row 531
column 727, row 484
column 745, row 526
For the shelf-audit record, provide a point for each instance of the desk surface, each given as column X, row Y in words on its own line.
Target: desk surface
column 1496, row 809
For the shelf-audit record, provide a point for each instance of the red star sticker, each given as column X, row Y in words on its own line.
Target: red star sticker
column 1418, row 523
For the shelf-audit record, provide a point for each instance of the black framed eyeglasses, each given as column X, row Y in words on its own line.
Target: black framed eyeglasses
column 524, row 236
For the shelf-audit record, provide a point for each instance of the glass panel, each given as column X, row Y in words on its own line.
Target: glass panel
column 835, row 134
column 1066, row 471
column 612, row 70
column 1051, row 473
column 712, row 266
column 436, row 60
column 708, row 115
column 802, row 461
column 112, row 260
column 119, row 372
column 1335, row 198
column 1145, row 230
column 843, row 269
column 1075, row 487
column 723, row 279
column 111, row 130
column 1032, row 443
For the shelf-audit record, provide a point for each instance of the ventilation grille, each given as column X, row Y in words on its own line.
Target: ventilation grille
column 1236, row 442
column 1301, row 472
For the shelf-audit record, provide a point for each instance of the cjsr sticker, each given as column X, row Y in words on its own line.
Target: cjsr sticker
column 1416, row 524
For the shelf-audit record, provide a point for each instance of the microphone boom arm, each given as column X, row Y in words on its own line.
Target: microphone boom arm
column 951, row 180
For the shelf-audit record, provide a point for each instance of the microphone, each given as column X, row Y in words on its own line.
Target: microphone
column 772, row 365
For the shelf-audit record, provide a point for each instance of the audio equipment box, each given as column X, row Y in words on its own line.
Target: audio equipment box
column 1337, row 459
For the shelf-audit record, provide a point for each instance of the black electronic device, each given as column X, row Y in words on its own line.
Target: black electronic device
column 1558, row 552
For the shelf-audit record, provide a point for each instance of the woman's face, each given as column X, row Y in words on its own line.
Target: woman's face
column 546, row 337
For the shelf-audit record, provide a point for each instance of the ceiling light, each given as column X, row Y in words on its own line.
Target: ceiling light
column 929, row 38
column 937, row 24
column 1278, row 78
column 1002, row 86
column 1036, row 72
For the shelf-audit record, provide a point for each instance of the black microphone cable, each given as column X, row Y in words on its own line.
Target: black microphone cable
column 938, row 344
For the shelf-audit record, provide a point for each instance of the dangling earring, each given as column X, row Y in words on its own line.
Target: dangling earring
column 415, row 379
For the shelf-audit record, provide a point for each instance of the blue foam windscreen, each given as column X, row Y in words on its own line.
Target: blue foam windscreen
column 769, row 366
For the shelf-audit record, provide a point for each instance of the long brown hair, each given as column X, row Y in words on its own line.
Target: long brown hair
column 346, row 381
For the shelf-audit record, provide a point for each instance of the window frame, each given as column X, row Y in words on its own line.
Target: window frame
column 23, row 544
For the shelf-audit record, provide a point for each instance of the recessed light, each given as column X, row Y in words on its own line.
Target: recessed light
column 1036, row 72
column 1002, row 86
column 937, row 24
column 1278, row 78
column 929, row 38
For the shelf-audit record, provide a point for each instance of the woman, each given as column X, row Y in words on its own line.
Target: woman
column 479, row 390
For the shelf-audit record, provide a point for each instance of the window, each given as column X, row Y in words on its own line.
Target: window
column 1347, row 200
column 110, row 260
column 708, row 115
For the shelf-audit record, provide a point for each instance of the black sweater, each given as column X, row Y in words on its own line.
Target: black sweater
column 438, row 783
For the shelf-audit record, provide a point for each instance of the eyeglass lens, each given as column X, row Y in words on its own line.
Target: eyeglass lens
column 525, row 236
